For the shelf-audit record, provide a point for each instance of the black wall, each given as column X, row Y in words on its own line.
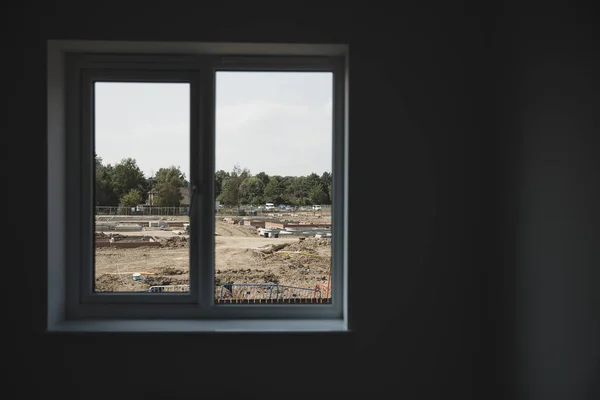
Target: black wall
column 547, row 114
column 485, row 128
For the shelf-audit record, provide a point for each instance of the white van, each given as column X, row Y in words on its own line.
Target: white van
column 269, row 206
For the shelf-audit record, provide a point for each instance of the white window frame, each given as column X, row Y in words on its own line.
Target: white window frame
column 72, row 67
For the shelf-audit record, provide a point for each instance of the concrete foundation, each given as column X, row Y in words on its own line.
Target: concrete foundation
column 125, row 244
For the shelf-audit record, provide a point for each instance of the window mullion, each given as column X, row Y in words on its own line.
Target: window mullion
column 203, row 165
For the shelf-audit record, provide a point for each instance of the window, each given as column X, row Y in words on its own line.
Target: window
column 151, row 153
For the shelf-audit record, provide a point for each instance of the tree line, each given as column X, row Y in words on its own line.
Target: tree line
column 124, row 184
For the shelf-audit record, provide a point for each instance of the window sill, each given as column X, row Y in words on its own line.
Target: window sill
column 178, row 325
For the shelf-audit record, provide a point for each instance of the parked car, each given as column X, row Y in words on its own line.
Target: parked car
column 316, row 207
column 269, row 206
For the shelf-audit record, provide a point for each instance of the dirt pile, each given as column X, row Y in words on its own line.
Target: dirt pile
column 114, row 235
column 310, row 245
column 174, row 242
column 108, row 283
column 123, row 281
column 247, row 275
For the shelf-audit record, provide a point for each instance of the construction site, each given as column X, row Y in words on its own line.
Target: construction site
column 279, row 257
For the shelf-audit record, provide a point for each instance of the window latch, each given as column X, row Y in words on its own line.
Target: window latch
column 192, row 198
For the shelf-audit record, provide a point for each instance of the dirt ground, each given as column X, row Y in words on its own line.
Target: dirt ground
column 246, row 264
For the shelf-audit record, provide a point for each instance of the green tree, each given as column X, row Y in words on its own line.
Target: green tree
column 312, row 180
column 230, row 188
column 251, row 191
column 126, row 175
column 317, row 194
column 104, row 192
column 294, row 191
column 149, row 184
column 274, row 190
column 220, row 176
column 168, row 183
column 229, row 192
column 263, row 177
column 327, row 181
column 131, row 198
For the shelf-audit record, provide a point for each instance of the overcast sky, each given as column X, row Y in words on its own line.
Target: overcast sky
column 274, row 122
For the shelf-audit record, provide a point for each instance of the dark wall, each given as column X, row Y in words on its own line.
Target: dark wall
column 487, row 279
column 548, row 109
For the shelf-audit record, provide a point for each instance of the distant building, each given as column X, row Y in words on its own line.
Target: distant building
column 150, row 199
column 185, row 196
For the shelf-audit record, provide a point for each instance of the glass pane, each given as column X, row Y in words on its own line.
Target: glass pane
column 273, row 187
column 142, row 147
